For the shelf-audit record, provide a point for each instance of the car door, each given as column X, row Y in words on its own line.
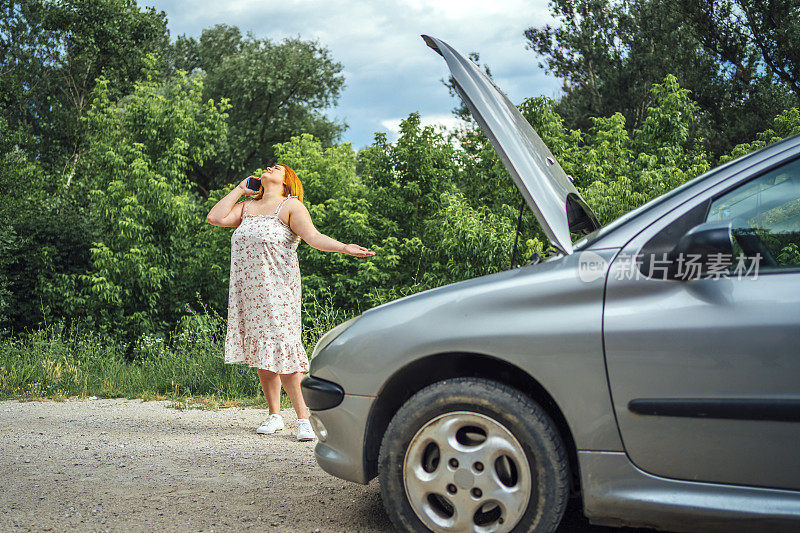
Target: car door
column 705, row 373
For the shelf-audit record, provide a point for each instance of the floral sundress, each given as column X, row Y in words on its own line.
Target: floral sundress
column 264, row 296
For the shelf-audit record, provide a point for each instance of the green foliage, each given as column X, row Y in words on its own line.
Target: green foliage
column 209, row 257
column 615, row 171
column 76, row 360
column 406, row 177
column 789, row 255
column 139, row 152
column 327, row 172
column 610, row 52
column 61, row 360
column 277, row 90
column 13, row 169
column 335, row 199
column 765, row 33
column 785, row 125
column 473, row 241
column 50, row 55
column 657, row 158
column 118, row 242
column 35, row 236
column 406, row 183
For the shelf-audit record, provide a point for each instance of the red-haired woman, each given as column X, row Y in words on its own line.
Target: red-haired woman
column 264, row 295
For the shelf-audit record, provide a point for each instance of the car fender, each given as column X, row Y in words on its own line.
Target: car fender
column 545, row 320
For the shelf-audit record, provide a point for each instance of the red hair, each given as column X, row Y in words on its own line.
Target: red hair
column 291, row 185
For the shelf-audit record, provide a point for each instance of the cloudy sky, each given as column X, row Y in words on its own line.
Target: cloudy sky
column 389, row 71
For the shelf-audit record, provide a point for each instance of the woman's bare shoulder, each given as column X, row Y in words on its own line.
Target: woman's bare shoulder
column 295, row 203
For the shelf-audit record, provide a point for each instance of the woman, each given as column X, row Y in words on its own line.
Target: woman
column 264, row 294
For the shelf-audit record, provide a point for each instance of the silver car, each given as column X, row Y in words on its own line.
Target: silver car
column 651, row 368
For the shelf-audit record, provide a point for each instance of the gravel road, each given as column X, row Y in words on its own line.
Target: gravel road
column 114, row 465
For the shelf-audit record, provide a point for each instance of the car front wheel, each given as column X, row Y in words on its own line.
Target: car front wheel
column 469, row 454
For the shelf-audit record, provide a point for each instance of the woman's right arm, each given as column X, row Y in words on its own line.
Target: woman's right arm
column 226, row 212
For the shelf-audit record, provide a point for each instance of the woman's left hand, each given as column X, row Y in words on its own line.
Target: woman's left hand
column 356, row 250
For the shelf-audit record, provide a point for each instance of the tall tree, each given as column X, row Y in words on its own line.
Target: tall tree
column 766, row 29
column 610, row 52
column 134, row 172
column 277, row 89
column 51, row 52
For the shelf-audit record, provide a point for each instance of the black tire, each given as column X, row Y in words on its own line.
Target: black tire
column 436, row 410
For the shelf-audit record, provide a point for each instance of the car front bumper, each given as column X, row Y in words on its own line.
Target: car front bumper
column 340, row 429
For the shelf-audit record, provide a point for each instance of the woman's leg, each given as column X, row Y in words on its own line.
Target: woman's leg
column 271, row 385
column 291, row 384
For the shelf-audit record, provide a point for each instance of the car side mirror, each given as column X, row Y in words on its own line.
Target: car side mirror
column 703, row 249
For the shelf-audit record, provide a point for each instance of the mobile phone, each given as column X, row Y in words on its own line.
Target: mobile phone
column 253, row 183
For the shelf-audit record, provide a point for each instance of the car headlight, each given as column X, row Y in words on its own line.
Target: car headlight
column 331, row 335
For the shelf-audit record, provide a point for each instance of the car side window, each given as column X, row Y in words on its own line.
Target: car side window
column 765, row 217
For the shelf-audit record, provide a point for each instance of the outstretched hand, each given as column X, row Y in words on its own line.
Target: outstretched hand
column 356, row 250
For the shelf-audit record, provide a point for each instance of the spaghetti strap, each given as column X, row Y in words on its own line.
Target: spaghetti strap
column 281, row 204
column 245, row 207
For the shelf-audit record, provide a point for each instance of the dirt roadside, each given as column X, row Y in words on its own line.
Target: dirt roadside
column 98, row 465
column 129, row 465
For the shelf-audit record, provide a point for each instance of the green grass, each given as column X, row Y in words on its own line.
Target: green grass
column 61, row 361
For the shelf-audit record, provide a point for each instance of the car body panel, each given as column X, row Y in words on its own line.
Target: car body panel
column 545, row 186
column 543, row 319
column 619, row 494
column 557, row 314
column 729, row 340
column 341, row 454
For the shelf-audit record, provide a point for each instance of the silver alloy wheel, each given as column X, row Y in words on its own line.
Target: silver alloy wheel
column 464, row 471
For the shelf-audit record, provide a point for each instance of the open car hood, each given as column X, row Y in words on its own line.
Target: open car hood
column 545, row 186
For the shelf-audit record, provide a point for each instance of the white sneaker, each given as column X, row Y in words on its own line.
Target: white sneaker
column 304, row 431
column 272, row 424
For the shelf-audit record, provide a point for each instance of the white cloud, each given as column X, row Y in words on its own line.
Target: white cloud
column 447, row 123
